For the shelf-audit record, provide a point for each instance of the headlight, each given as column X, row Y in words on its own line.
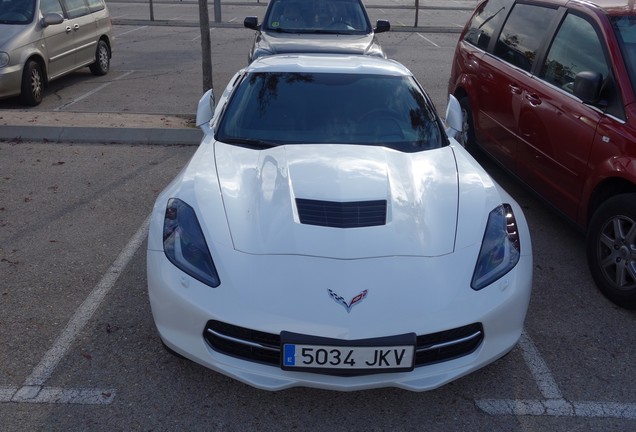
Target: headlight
column 500, row 248
column 4, row 59
column 184, row 244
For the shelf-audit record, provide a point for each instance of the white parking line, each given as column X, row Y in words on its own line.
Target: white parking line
column 553, row 403
column 95, row 90
column 130, row 31
column 427, row 40
column 33, row 390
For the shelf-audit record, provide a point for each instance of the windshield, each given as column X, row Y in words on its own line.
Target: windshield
column 17, row 11
column 319, row 16
column 277, row 108
column 625, row 29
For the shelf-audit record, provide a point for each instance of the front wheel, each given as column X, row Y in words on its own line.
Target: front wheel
column 102, row 59
column 611, row 249
column 32, row 84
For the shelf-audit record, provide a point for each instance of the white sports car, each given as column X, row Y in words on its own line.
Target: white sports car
column 329, row 233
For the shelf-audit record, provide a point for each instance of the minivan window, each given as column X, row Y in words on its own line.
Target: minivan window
column 563, row 63
column 17, row 11
column 51, row 6
column 95, row 5
column 522, row 34
column 484, row 22
column 76, row 8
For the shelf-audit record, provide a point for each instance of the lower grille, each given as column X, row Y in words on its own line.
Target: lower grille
column 256, row 346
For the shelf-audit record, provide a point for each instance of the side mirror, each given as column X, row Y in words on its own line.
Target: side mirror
column 205, row 111
column 587, row 86
column 382, row 26
column 51, row 19
column 454, row 118
column 251, row 22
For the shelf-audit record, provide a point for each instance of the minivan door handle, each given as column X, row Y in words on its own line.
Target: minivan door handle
column 75, row 26
column 68, row 29
column 533, row 98
column 514, row 89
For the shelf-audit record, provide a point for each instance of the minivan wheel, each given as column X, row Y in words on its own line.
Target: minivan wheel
column 467, row 136
column 611, row 249
column 32, row 84
column 102, row 59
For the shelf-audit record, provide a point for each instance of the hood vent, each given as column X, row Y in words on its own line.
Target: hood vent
column 355, row 214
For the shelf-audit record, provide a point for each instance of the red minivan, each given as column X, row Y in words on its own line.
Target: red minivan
column 547, row 90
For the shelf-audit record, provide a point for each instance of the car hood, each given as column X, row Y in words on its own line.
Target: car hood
column 286, row 43
column 260, row 189
column 9, row 33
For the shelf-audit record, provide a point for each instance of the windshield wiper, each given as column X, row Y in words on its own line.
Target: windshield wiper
column 250, row 143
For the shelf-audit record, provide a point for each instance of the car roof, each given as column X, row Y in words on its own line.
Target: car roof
column 612, row 7
column 328, row 63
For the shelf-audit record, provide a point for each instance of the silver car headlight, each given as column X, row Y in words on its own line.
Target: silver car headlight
column 185, row 245
column 4, row 59
column 500, row 248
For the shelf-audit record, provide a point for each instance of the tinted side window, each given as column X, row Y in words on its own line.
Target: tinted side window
column 486, row 19
column 51, row 6
column 95, row 5
column 523, row 33
column 564, row 61
column 76, row 8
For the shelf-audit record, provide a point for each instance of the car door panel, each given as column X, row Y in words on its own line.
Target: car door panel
column 559, row 127
column 557, row 132
column 497, row 117
column 509, row 70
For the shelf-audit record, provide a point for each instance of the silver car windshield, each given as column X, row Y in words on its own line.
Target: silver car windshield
column 278, row 108
column 17, row 11
column 320, row 16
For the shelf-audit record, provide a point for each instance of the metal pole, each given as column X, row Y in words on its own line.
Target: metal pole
column 206, row 51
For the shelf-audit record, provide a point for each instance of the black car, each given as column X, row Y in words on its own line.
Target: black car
column 332, row 26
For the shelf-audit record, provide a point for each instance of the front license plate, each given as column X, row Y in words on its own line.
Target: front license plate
column 355, row 357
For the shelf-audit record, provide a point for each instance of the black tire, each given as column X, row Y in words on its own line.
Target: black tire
column 102, row 59
column 611, row 249
column 32, row 84
column 467, row 136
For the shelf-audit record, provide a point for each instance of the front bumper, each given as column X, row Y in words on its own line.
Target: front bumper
column 10, row 81
column 183, row 307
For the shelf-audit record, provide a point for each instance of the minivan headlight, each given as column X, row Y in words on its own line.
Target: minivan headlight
column 4, row 59
column 500, row 248
column 185, row 245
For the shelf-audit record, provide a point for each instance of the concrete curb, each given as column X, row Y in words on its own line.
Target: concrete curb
column 105, row 135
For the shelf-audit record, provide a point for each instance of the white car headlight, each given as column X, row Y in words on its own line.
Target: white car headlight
column 500, row 248
column 4, row 59
column 185, row 245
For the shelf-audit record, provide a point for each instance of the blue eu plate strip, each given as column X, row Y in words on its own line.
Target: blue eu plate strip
column 290, row 355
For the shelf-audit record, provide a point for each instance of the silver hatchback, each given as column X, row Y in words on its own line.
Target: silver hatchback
column 41, row 40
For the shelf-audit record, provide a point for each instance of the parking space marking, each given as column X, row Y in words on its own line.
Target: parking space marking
column 33, row 390
column 130, row 31
column 95, row 90
column 553, row 402
column 427, row 40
